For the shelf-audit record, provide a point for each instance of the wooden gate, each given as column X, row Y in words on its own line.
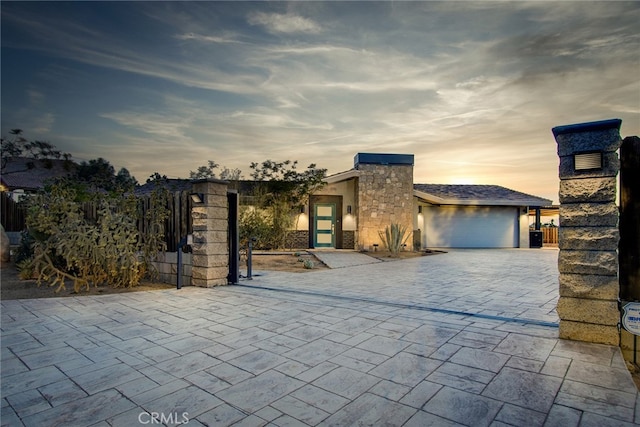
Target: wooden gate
column 629, row 246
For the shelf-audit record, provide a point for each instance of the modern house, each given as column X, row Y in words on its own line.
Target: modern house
column 356, row 204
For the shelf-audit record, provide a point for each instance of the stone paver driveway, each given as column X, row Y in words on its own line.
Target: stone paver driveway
column 366, row 355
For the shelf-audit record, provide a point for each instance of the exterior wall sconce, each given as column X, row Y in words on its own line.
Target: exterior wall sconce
column 349, row 209
column 301, row 209
column 197, row 198
column 587, row 161
column 419, row 209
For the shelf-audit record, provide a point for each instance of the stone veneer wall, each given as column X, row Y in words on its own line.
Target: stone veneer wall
column 297, row 239
column 210, row 257
column 348, row 239
column 167, row 266
column 588, row 236
column 385, row 196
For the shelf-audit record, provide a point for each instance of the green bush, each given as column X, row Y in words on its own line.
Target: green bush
column 255, row 223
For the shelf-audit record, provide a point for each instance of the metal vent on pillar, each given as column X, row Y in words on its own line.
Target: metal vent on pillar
column 587, row 161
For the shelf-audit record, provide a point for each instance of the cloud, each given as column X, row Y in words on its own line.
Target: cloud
column 475, row 84
column 207, row 39
column 59, row 36
column 42, row 124
column 36, row 97
column 284, row 23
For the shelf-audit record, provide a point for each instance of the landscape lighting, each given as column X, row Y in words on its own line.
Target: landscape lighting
column 197, row 198
column 587, row 161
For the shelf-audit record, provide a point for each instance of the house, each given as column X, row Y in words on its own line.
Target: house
column 356, row 204
column 21, row 175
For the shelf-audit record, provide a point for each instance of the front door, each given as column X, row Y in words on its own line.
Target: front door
column 324, row 225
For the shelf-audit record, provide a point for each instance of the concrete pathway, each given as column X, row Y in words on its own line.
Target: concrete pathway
column 343, row 258
column 253, row 356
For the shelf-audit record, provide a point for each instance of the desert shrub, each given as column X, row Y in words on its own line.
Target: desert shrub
column 24, row 251
column 394, row 237
column 278, row 188
column 308, row 264
column 255, row 223
column 109, row 249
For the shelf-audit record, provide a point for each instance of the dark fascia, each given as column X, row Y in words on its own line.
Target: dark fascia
column 587, row 127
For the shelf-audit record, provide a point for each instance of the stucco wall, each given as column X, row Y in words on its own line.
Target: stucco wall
column 348, row 190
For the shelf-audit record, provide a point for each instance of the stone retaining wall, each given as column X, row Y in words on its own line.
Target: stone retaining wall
column 167, row 266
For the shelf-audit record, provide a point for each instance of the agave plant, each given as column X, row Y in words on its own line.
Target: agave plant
column 394, row 237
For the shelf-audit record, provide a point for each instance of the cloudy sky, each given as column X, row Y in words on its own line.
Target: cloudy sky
column 471, row 88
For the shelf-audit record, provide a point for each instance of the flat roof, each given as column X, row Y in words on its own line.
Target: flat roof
column 383, row 159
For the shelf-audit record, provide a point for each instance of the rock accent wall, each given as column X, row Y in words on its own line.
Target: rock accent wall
column 210, row 256
column 385, row 196
column 588, row 235
column 167, row 266
column 298, row 239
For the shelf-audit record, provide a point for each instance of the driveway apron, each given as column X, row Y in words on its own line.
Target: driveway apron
column 463, row 338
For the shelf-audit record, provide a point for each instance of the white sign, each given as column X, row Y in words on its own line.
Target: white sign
column 631, row 317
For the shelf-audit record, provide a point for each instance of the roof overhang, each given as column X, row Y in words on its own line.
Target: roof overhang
column 342, row 176
column 435, row 200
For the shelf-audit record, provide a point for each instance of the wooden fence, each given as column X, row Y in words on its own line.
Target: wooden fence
column 11, row 213
column 177, row 225
column 549, row 235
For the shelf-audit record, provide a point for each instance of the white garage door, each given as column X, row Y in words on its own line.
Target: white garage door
column 471, row 227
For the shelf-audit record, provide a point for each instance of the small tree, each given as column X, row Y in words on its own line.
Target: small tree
column 279, row 187
column 100, row 174
column 18, row 146
column 226, row 174
column 207, row 171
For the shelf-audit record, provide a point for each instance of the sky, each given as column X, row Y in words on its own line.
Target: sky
column 472, row 89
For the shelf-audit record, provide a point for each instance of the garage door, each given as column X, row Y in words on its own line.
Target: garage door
column 471, row 227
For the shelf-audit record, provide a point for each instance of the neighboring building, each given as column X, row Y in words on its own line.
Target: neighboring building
column 23, row 175
column 355, row 205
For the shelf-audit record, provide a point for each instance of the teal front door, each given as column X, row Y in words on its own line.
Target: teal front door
column 324, row 225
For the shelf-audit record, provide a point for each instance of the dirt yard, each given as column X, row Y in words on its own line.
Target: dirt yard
column 12, row 287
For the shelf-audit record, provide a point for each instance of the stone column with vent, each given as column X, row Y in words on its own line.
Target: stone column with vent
column 588, row 239
column 210, row 233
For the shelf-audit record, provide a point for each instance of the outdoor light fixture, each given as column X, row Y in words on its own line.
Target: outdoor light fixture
column 419, row 209
column 587, row 161
column 349, row 209
column 197, row 198
column 301, row 209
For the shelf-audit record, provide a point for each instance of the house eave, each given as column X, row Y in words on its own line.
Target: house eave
column 342, row 176
column 430, row 198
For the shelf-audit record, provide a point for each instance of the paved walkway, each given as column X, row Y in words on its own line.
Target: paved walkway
column 343, row 258
column 252, row 356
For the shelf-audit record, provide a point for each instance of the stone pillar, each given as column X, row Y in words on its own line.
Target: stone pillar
column 588, row 239
column 385, row 196
column 210, row 233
